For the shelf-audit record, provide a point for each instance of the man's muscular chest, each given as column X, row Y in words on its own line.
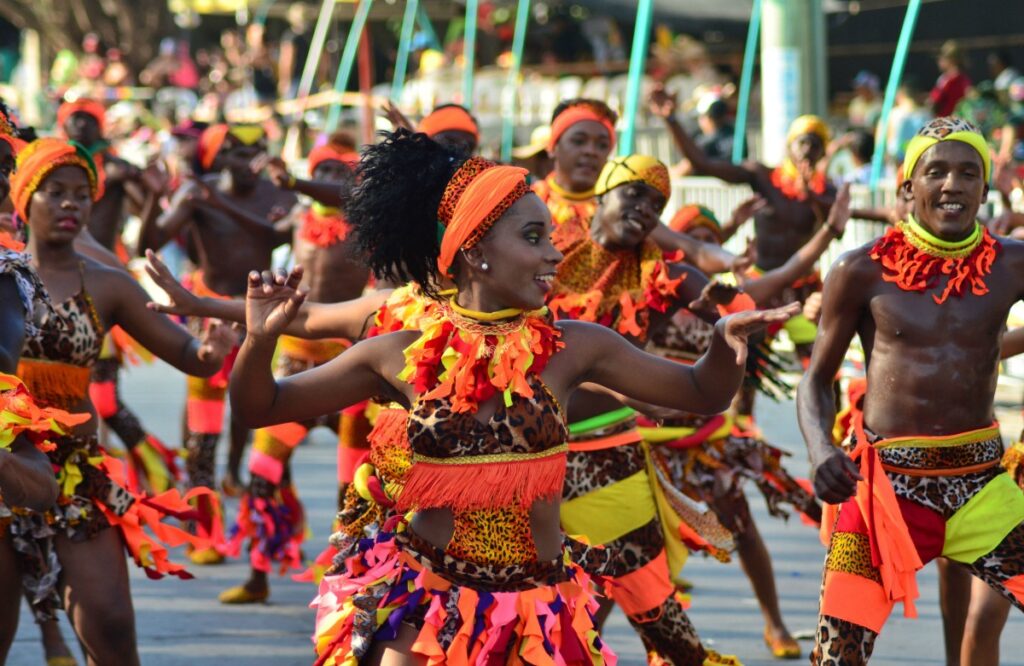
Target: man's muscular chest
column 914, row 319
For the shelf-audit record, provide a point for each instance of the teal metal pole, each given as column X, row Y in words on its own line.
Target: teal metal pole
column 899, row 60
column 508, row 124
column 423, row 20
column 348, row 59
column 404, row 46
column 469, row 53
column 637, row 62
column 746, row 81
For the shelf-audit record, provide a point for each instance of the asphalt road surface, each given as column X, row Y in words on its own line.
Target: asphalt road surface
column 181, row 622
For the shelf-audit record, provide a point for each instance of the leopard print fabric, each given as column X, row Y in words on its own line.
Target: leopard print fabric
column 684, row 337
column 667, row 634
column 587, row 471
column 850, row 552
column 841, row 643
column 636, row 549
column 493, row 536
column 70, row 333
column 945, row 494
column 1004, row 562
column 528, row 426
column 941, row 457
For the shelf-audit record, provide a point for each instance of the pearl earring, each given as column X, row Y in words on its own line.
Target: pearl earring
column 485, row 267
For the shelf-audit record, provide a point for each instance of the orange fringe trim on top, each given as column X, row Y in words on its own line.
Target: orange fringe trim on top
column 19, row 414
column 54, row 383
column 484, row 482
column 913, row 269
column 614, row 289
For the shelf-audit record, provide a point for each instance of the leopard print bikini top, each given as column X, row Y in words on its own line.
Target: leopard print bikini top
column 71, row 333
column 489, row 475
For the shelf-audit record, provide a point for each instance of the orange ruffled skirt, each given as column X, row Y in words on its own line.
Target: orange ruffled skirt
column 465, row 613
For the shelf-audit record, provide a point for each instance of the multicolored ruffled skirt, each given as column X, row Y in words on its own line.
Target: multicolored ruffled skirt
column 539, row 612
column 93, row 498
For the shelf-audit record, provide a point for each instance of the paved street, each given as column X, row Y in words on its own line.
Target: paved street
column 180, row 622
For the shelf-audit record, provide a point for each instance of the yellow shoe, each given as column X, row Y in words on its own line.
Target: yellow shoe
column 240, row 595
column 61, row 661
column 782, row 648
column 205, row 557
column 712, row 658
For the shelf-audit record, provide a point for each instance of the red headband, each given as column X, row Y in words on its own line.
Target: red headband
column 329, row 152
column 477, row 195
column 449, row 119
column 92, row 107
column 576, row 114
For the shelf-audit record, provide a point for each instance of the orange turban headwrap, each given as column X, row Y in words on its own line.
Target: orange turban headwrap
column 331, row 152
column 38, row 160
column 575, row 114
column 212, row 140
column 449, row 119
column 90, row 106
column 695, row 215
column 477, row 195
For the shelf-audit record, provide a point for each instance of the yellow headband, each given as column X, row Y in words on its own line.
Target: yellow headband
column 946, row 129
column 634, row 169
column 809, row 124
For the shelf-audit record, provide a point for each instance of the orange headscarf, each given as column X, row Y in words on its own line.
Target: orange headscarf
column 449, row 119
column 477, row 195
column 331, row 152
column 212, row 140
column 90, row 106
column 695, row 215
column 38, row 160
column 575, row 114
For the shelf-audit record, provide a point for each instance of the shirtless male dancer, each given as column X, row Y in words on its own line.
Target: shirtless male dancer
column 797, row 196
column 226, row 213
column 921, row 479
column 321, row 244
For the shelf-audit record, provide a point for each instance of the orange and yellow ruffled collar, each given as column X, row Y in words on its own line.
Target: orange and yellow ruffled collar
column 466, row 361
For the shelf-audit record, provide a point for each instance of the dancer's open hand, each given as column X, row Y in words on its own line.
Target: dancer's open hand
column 835, row 477
column 277, row 171
column 661, row 103
column 217, row 342
column 180, row 301
column 395, row 116
column 736, row 328
column 272, row 301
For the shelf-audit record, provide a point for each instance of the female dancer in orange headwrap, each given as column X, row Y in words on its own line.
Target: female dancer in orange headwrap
column 67, row 554
column 481, row 572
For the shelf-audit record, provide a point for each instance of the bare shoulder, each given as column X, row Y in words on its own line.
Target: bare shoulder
column 1013, row 250
column 104, row 275
column 854, row 265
